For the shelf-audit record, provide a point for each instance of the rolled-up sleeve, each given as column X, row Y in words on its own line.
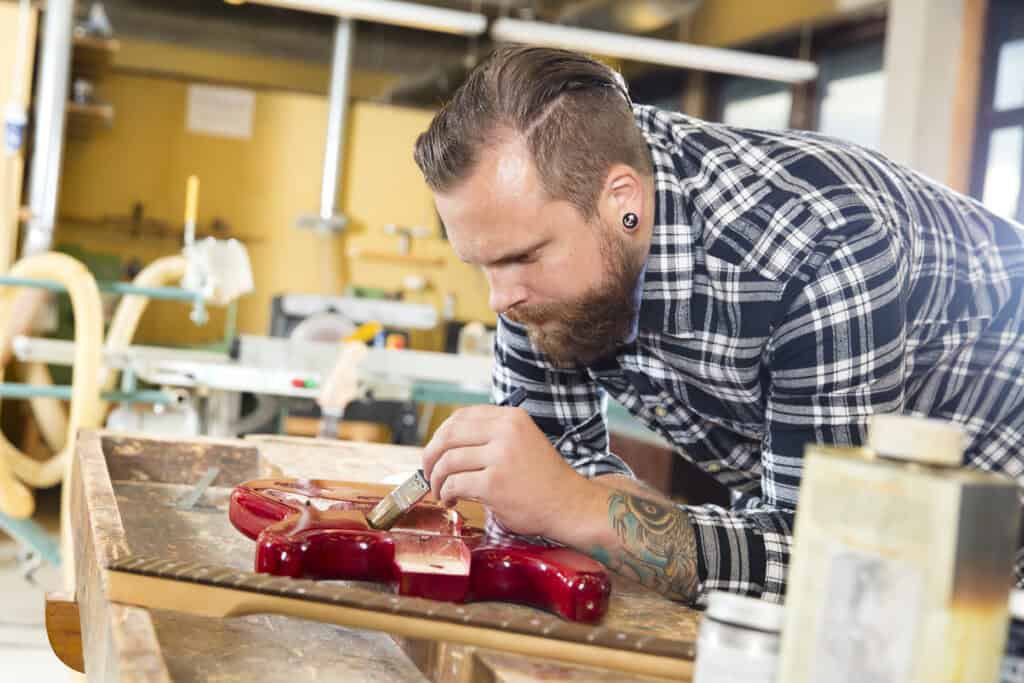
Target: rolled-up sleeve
column 836, row 358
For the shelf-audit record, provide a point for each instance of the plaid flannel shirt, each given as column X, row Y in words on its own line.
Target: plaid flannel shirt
column 795, row 285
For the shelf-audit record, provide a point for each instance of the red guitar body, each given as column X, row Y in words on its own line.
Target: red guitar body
column 317, row 529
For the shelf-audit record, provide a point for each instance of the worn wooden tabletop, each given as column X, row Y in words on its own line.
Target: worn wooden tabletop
column 124, row 500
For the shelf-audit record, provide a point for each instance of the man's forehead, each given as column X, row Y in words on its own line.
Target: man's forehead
column 504, row 168
column 488, row 237
column 495, row 209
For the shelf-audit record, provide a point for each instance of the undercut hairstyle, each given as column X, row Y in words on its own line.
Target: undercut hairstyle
column 574, row 114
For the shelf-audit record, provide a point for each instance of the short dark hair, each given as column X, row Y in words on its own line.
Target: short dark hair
column 574, row 113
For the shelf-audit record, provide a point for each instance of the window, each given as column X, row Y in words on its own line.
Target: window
column 1001, row 188
column 997, row 175
column 1010, row 76
column 851, row 92
column 752, row 103
column 846, row 101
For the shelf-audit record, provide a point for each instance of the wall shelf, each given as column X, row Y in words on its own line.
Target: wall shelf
column 103, row 113
column 142, row 227
column 83, row 120
column 92, row 56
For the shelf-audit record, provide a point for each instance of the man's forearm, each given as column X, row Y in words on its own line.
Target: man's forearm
column 648, row 540
column 634, row 486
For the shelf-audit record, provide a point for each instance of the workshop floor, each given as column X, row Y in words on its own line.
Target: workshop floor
column 25, row 653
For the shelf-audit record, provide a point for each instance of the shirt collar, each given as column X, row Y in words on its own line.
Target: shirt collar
column 638, row 295
column 665, row 287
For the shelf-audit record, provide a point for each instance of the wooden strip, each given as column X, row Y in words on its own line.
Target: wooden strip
column 120, row 641
column 537, row 624
column 217, row 601
column 968, row 93
column 103, row 520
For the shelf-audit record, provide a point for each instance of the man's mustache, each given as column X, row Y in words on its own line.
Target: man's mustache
column 535, row 314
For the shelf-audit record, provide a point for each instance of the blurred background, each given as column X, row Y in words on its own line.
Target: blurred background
column 245, row 169
column 938, row 84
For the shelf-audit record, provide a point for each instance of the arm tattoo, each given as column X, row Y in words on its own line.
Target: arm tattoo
column 657, row 545
column 634, row 486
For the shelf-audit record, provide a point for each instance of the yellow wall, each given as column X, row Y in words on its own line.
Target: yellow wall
column 258, row 187
column 733, row 22
column 155, row 58
column 11, row 166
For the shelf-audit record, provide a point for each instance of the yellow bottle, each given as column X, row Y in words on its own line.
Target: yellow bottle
column 902, row 561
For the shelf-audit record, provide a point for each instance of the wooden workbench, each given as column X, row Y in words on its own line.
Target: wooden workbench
column 124, row 494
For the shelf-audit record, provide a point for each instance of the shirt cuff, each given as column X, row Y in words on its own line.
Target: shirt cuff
column 732, row 554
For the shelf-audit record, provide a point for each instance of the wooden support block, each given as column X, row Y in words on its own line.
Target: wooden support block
column 64, row 629
column 348, row 430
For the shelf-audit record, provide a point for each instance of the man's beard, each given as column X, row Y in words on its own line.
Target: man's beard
column 593, row 325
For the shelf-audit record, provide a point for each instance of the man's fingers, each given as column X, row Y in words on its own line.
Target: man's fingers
column 465, row 486
column 467, row 427
column 455, row 461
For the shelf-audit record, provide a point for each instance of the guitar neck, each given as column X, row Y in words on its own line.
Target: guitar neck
column 218, row 591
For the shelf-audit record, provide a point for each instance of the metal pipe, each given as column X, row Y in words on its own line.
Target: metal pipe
column 341, row 71
column 51, row 102
column 654, row 50
column 166, row 293
column 17, row 390
column 32, row 534
column 393, row 12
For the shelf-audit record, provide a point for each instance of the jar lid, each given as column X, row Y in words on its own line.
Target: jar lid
column 917, row 439
column 745, row 611
column 1017, row 604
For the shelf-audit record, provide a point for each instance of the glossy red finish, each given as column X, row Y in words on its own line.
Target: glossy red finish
column 317, row 529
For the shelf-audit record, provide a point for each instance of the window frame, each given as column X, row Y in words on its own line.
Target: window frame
column 988, row 120
column 812, row 45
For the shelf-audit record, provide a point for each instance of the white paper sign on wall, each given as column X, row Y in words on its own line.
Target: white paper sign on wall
column 223, row 112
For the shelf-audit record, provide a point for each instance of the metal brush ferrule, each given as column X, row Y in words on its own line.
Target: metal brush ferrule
column 392, row 506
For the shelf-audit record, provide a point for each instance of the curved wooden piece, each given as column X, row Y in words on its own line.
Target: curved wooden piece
column 64, row 630
column 318, row 529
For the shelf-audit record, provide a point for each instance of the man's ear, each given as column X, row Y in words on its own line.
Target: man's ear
column 623, row 193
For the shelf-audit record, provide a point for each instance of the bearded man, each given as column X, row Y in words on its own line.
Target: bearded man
column 741, row 292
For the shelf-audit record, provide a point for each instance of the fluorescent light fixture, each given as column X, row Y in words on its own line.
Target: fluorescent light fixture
column 393, row 12
column 654, row 51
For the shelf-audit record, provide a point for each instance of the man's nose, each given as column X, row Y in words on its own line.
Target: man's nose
column 504, row 293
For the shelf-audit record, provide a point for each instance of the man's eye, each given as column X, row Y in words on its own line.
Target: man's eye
column 527, row 258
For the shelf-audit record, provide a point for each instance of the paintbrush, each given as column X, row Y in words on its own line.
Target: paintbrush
column 393, row 506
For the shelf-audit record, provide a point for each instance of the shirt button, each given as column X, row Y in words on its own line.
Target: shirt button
column 713, row 467
column 661, row 411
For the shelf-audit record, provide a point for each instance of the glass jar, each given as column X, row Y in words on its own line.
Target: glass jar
column 739, row 640
column 1012, row 670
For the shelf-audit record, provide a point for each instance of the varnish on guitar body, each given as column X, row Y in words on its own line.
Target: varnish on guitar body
column 318, row 529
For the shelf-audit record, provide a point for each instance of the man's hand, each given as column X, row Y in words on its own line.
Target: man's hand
column 498, row 457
